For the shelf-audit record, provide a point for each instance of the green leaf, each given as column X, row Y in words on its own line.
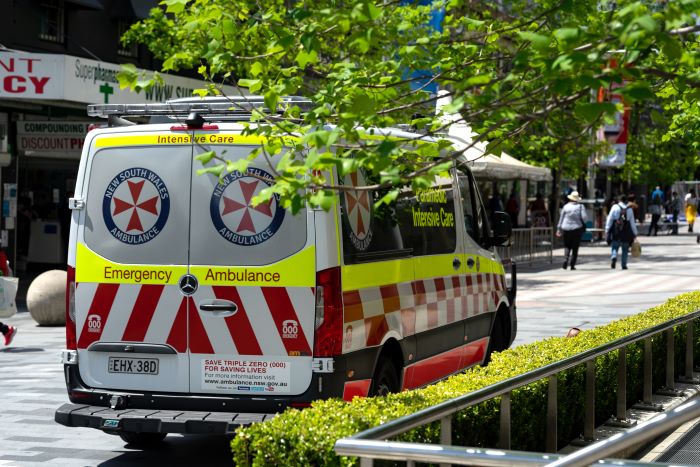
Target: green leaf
column 538, row 40
column 303, row 58
column 590, row 112
column 253, row 85
column 127, row 76
column 205, row 157
column 387, row 199
column 646, row 22
column 567, row 34
column 214, row 170
column 241, row 166
column 175, row 6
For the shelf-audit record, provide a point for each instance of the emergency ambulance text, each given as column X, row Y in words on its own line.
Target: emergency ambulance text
column 138, row 275
column 245, row 275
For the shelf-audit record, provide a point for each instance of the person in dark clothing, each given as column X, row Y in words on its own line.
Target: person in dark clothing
column 513, row 208
column 655, row 208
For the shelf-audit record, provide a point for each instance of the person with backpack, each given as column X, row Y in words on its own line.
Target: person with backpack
column 572, row 224
column 655, row 208
column 620, row 230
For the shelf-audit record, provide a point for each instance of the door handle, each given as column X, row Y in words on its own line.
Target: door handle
column 220, row 308
column 456, row 263
column 470, row 262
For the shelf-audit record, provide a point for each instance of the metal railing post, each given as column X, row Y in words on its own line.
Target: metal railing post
column 620, row 419
column 622, row 383
column 504, row 438
column 647, row 401
column 446, row 433
column 689, row 357
column 366, row 462
column 552, row 431
column 532, row 245
column 589, row 409
column 670, row 388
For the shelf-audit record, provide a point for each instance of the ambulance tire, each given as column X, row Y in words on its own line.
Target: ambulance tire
column 500, row 334
column 141, row 439
column 386, row 378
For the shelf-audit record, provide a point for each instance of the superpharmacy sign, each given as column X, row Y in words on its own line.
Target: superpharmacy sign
column 75, row 79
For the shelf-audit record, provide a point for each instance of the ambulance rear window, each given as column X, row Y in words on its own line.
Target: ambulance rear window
column 229, row 228
column 137, row 204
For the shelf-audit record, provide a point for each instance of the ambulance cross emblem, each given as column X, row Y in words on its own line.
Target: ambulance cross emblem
column 231, row 205
column 234, row 214
column 135, row 206
column 358, row 212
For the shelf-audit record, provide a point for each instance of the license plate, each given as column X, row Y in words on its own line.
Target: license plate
column 134, row 366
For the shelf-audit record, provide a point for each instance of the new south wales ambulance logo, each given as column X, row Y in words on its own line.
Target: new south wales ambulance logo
column 233, row 213
column 136, row 206
column 358, row 209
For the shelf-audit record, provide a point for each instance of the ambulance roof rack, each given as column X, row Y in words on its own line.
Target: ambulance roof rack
column 215, row 108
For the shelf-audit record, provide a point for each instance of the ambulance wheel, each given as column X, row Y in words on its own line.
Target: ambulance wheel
column 499, row 338
column 386, row 378
column 142, row 439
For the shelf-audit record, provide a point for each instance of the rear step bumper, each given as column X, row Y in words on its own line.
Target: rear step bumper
column 154, row 421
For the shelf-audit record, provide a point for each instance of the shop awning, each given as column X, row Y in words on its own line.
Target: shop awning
column 492, row 167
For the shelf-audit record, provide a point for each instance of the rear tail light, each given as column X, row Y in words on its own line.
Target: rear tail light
column 71, row 343
column 328, row 341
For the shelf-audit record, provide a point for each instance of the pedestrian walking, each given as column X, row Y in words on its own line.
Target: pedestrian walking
column 572, row 224
column 8, row 331
column 620, row 230
column 513, row 208
column 691, row 209
column 674, row 207
column 655, row 208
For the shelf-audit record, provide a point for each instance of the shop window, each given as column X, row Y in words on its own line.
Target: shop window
column 52, row 27
column 130, row 50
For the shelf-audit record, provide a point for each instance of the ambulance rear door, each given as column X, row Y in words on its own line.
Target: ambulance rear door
column 251, row 318
column 131, row 251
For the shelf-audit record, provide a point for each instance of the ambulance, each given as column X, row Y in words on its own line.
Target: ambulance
column 192, row 309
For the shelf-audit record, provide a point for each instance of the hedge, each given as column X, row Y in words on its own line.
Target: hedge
column 306, row 437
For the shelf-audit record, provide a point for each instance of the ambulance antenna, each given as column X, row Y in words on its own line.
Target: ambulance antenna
column 194, row 120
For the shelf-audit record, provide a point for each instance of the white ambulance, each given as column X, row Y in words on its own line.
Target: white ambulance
column 192, row 310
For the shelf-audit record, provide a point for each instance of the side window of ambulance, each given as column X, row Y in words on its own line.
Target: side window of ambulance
column 430, row 220
column 415, row 225
column 369, row 234
column 475, row 219
column 470, row 217
column 427, row 219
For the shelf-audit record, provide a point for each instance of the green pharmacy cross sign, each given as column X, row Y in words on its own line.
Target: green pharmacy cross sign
column 106, row 89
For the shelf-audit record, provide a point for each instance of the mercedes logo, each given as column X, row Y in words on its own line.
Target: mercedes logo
column 188, row 284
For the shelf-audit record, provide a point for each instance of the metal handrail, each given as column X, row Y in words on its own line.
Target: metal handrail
column 444, row 410
column 437, row 453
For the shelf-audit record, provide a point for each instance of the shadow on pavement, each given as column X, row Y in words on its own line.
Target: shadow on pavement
column 206, row 450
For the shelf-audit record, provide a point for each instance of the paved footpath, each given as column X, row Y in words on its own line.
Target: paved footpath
column 550, row 301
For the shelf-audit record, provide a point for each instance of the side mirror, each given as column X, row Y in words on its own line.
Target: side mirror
column 501, row 228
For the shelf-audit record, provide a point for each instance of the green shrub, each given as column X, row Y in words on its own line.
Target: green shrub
column 306, row 437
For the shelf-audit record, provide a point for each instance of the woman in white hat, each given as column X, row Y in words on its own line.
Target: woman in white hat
column 572, row 224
